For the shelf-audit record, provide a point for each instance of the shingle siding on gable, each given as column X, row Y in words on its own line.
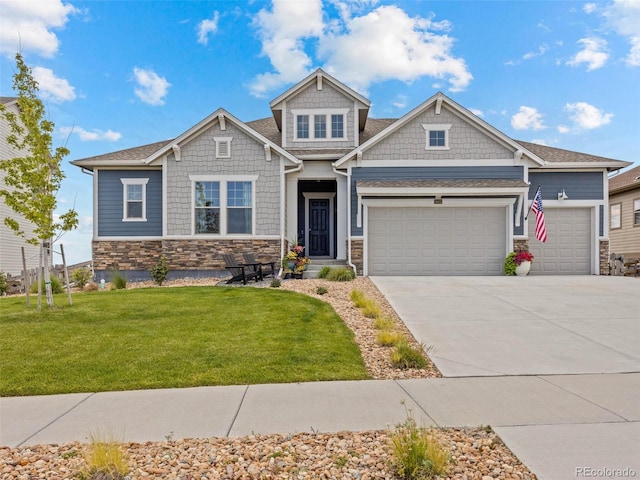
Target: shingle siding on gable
column 110, row 206
column 199, row 158
column 423, row 173
column 327, row 98
column 465, row 141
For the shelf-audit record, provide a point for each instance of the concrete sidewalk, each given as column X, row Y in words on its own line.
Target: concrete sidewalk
column 597, row 417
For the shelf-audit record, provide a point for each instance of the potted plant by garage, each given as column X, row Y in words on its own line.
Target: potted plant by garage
column 294, row 263
column 518, row 263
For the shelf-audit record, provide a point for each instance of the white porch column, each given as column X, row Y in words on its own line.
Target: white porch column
column 291, row 220
column 341, row 220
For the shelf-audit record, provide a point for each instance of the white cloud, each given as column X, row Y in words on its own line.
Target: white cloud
column 282, row 32
column 151, row 88
column 27, row 26
column 207, row 26
column 563, row 129
column 388, row 44
column 400, row 101
column 587, row 116
column 624, row 17
column 51, row 87
column 542, row 49
column 589, row 7
column 593, row 53
column 476, row 112
column 93, row 135
column 362, row 48
column 539, row 141
column 527, row 118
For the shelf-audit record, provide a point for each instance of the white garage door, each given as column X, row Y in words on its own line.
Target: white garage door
column 436, row 241
column 567, row 250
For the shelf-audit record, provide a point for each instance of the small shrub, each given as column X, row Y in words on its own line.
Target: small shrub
column 321, row 290
column 81, row 276
column 341, row 274
column 417, row 453
column 387, row 338
column 105, row 460
column 370, row 309
column 90, row 287
column 275, row 283
column 159, row 271
column 383, row 323
column 324, row 271
column 358, row 298
column 3, row 283
column 510, row 264
column 118, row 280
column 404, row 356
column 56, row 286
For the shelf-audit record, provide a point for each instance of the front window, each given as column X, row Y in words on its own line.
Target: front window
column 437, row 136
column 207, row 204
column 337, row 126
column 320, row 124
column 614, row 215
column 223, row 205
column 239, row 207
column 134, row 199
column 303, row 126
column 636, row 212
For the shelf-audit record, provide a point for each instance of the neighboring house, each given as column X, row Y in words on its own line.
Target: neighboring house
column 436, row 192
column 624, row 216
column 10, row 243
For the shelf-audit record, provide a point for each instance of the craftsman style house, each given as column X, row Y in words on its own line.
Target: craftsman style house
column 436, row 192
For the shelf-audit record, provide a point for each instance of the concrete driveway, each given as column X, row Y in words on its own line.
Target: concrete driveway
column 536, row 325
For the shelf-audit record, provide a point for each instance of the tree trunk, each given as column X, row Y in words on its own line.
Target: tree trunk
column 47, row 273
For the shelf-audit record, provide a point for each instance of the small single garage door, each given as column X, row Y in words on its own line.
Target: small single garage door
column 567, row 250
column 436, row 240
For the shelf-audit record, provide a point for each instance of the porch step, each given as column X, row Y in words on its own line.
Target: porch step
column 318, row 263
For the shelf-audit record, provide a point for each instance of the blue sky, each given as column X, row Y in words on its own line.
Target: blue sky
column 118, row 74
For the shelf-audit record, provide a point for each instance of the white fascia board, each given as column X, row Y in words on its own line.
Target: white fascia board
column 587, row 166
column 435, row 191
column 429, row 202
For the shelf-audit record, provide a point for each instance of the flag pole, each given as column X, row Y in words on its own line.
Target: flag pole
column 529, row 211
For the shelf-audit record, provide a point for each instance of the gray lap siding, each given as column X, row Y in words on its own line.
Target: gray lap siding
column 110, row 204
column 423, row 173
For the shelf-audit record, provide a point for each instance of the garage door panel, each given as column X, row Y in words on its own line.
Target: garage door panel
column 436, row 241
column 568, row 247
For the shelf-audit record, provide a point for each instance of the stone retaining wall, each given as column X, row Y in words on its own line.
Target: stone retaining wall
column 357, row 255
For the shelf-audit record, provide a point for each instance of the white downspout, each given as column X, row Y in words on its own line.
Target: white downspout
column 348, row 175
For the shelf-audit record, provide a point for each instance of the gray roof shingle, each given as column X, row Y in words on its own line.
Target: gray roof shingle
column 444, row 183
column 628, row 180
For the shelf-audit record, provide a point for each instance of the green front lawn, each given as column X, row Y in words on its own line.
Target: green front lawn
column 172, row 337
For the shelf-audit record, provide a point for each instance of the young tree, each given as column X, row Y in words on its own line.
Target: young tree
column 34, row 179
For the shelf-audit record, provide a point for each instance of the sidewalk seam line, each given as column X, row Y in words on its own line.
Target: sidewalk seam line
column 235, row 416
column 56, row 419
column 417, row 403
column 583, row 398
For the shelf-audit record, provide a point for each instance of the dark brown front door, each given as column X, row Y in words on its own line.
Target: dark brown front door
column 319, row 227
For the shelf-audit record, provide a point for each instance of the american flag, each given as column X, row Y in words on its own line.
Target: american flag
column 536, row 207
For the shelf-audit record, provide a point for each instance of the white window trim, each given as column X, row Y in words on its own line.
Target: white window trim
column 223, row 179
column 134, row 181
column 223, row 140
column 619, row 216
column 433, row 127
column 633, row 212
column 327, row 112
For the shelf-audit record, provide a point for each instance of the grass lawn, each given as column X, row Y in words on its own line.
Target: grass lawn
column 172, row 337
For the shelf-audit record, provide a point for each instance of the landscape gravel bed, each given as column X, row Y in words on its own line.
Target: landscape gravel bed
column 475, row 454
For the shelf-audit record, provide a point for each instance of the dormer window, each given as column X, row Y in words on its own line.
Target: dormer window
column 437, row 136
column 325, row 124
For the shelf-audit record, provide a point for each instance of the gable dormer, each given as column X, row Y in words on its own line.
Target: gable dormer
column 320, row 113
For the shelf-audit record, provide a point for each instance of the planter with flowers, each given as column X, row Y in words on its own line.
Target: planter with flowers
column 518, row 263
column 294, row 263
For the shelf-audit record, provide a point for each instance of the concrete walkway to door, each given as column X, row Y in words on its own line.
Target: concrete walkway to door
column 580, row 334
